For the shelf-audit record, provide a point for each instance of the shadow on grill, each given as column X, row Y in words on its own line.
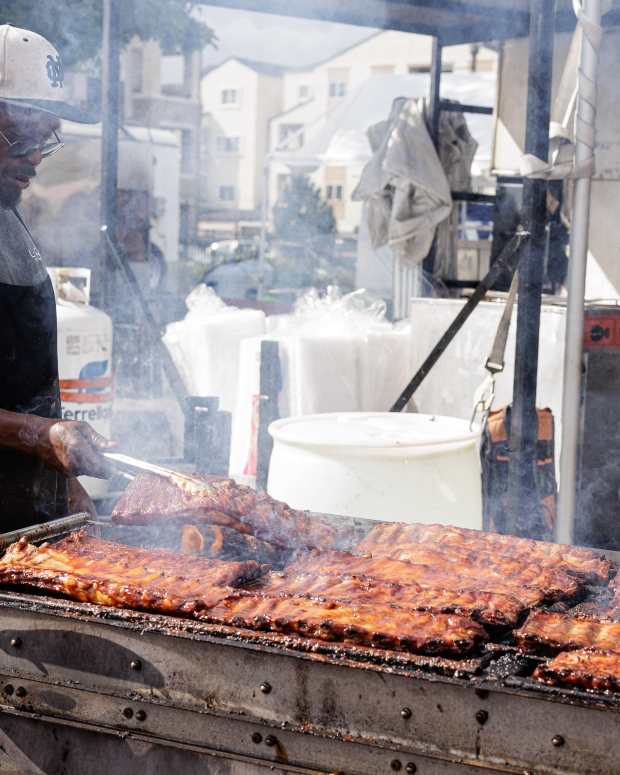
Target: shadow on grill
column 44, row 648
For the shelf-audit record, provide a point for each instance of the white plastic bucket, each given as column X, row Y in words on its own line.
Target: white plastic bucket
column 379, row 465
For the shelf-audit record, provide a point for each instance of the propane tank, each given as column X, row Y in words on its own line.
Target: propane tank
column 84, row 358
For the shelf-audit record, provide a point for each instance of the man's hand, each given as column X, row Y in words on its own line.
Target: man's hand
column 73, row 448
column 69, row 446
column 79, row 499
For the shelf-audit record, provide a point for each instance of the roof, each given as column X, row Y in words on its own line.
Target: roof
column 263, row 68
column 452, row 21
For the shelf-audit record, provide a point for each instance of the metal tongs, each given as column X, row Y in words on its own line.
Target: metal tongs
column 127, row 464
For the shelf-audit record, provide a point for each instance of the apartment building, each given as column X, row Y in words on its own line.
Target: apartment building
column 239, row 97
column 261, row 120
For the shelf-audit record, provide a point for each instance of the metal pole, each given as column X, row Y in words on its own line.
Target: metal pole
column 110, row 108
column 573, row 347
column 434, row 98
column 434, row 104
column 264, row 216
column 523, row 508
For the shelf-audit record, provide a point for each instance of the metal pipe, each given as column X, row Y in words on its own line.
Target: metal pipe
column 573, row 342
column 434, row 103
column 264, row 217
column 434, row 95
column 110, row 120
column 523, row 507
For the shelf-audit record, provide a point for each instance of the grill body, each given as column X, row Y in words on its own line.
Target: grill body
column 105, row 690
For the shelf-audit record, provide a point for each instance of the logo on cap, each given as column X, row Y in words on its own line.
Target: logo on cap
column 55, row 71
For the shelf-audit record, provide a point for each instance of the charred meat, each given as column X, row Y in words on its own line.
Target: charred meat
column 384, row 569
column 96, row 571
column 380, row 626
column 221, row 502
column 585, row 564
column 590, row 669
column 549, row 632
column 486, row 607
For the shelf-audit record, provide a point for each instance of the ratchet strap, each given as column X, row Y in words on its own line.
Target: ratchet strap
column 505, row 262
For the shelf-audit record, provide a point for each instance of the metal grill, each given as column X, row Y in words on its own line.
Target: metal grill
column 140, row 689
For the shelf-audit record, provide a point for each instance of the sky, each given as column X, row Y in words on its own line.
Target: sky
column 278, row 39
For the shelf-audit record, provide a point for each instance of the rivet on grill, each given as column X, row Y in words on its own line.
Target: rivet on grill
column 135, row 664
column 270, row 740
column 410, row 767
column 482, row 693
column 141, row 715
column 8, row 689
column 16, row 642
column 396, row 765
column 127, row 712
column 406, row 713
column 557, row 741
column 482, row 716
column 257, row 738
column 265, row 687
column 20, row 692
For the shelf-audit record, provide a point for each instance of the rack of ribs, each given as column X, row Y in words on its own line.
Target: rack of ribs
column 591, row 669
column 223, row 502
column 549, row 632
column 220, row 542
column 585, row 564
column 96, row 571
column 379, row 626
column 530, row 588
column 486, row 607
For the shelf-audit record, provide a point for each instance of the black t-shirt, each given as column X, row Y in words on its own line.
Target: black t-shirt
column 29, row 492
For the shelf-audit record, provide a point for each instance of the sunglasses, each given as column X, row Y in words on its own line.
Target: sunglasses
column 19, row 147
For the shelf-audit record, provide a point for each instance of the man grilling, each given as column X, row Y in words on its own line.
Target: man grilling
column 40, row 455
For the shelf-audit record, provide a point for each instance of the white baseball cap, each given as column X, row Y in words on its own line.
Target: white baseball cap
column 32, row 75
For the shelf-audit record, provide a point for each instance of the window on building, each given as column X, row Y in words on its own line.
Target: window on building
column 446, row 67
column 292, row 135
column 226, row 193
column 338, row 79
column 303, row 92
column 334, row 193
column 382, row 70
column 337, row 89
column 186, row 151
column 230, row 96
column 228, row 144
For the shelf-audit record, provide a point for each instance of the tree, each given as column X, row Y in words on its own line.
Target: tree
column 74, row 26
column 300, row 213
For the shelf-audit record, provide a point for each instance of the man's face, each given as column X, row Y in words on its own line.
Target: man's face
column 21, row 124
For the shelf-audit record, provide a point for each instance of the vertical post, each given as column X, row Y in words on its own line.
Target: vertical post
column 573, row 347
column 264, row 218
column 434, row 104
column 434, row 98
column 523, row 507
column 110, row 93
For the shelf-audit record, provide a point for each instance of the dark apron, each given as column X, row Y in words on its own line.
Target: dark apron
column 29, row 491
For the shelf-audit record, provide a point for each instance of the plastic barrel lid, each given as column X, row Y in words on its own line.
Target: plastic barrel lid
column 373, row 430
